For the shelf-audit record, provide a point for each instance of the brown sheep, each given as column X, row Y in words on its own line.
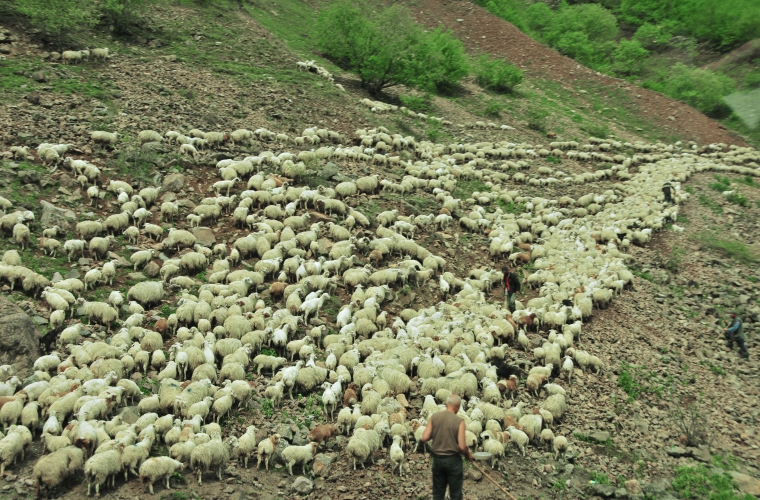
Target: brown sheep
column 349, row 397
column 161, row 326
column 376, row 256
column 525, row 247
column 277, row 289
column 322, row 433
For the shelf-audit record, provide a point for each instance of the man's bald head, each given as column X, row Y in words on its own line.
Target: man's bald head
column 453, row 401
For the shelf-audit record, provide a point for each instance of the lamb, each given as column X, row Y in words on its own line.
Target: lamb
column 11, row 410
column 149, row 136
column 21, row 235
column 560, row 446
column 158, row 468
column 302, row 455
column 397, row 456
column 141, row 258
column 20, row 152
column 494, row 447
column 518, row 437
column 101, row 467
column 265, row 450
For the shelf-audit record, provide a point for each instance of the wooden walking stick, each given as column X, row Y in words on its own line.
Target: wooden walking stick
column 492, row 480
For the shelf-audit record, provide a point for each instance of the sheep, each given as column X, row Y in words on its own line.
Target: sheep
column 158, row 468
column 212, row 455
column 21, row 235
column 149, row 136
column 265, row 450
column 11, row 410
column 301, row 455
column 494, row 447
column 397, row 456
column 102, row 137
column 99, row 468
column 51, row 470
column 134, row 455
column 518, row 437
column 146, row 293
column 559, row 445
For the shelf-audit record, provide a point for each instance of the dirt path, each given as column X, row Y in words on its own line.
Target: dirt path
column 481, row 31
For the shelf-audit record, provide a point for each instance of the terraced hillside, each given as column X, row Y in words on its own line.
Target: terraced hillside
column 279, row 235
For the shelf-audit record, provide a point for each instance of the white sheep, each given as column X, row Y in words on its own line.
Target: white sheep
column 301, row 455
column 158, row 468
column 100, row 468
column 396, row 454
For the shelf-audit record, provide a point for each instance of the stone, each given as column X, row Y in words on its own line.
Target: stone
column 19, row 339
column 129, row 415
column 602, row 490
column 40, row 320
column 322, row 465
column 329, row 170
column 701, row 454
column 677, row 452
column 473, row 475
column 34, row 98
column 284, row 431
column 28, row 176
column 300, row 439
column 136, row 277
column 302, row 486
column 122, row 262
column 324, row 246
column 39, row 76
column 633, row 487
column 152, row 269
column 73, row 274
column 55, row 216
column 747, row 484
column 155, row 147
column 621, row 493
column 173, row 182
column 600, row 436
column 204, row 236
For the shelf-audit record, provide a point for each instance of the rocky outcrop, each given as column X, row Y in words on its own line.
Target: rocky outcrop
column 19, row 338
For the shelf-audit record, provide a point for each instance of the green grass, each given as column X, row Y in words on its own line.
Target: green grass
column 732, row 249
column 699, row 482
column 600, row 478
column 67, row 80
column 465, row 189
column 713, row 206
column 637, row 380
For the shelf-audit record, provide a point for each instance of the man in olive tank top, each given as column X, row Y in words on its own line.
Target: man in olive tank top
column 446, row 430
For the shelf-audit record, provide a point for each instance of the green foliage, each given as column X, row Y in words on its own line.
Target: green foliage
column 559, row 485
column 652, row 37
column 637, row 380
column 57, row 16
column 497, row 74
column 387, row 48
column 509, row 10
column 698, row 87
column 629, row 58
column 700, row 482
column 752, row 79
column 553, row 159
column 537, row 119
column 121, row 14
column 493, row 108
column 707, row 202
column 268, row 352
column 722, row 183
column 600, row 478
column 267, row 408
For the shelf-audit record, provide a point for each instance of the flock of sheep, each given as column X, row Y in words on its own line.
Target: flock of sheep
column 366, row 367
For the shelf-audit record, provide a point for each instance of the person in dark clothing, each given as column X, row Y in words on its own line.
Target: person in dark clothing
column 447, row 430
column 667, row 189
column 735, row 332
column 511, row 287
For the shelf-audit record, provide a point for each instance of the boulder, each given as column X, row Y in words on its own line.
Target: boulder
column 302, row 486
column 152, row 269
column 748, row 485
column 322, row 465
column 55, row 216
column 19, row 339
column 173, row 182
column 329, row 170
column 600, row 436
column 204, row 236
column 28, row 176
column 602, row 490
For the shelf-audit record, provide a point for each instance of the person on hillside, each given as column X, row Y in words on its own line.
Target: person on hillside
column 446, row 429
column 511, row 287
column 667, row 190
column 735, row 332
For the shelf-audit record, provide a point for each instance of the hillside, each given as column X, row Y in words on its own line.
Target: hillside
column 457, row 197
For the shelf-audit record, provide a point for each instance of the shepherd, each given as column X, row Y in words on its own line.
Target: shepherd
column 511, row 287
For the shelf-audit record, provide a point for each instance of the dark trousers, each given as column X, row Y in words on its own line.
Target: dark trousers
column 739, row 341
column 447, row 471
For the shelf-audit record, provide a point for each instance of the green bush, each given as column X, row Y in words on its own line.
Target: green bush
column 537, row 119
column 121, row 14
column 493, row 108
column 652, row 37
column 509, row 10
column 418, row 104
column 387, row 48
column 698, row 87
column 700, row 482
column 629, row 58
column 497, row 74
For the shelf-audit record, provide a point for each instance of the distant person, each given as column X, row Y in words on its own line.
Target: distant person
column 446, row 430
column 735, row 332
column 511, row 287
column 667, row 190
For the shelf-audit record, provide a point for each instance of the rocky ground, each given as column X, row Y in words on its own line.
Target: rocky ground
column 661, row 342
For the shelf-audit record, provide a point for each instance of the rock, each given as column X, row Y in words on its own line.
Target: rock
column 83, row 261
column 122, row 262
column 300, row 439
column 322, row 465
column 156, row 147
column 324, row 246
column 73, row 274
column 40, row 320
column 19, row 338
column 329, row 171
column 204, row 236
column 34, row 98
column 39, row 76
column 602, row 490
column 657, row 489
column 136, row 277
column 677, row 452
column 747, row 484
column 702, row 454
column 129, row 415
column 473, row 475
column 621, row 493
column 600, row 436
column 302, row 486
column 54, row 216
column 28, row 176
column 284, row 431
column 152, row 269
column 173, row 182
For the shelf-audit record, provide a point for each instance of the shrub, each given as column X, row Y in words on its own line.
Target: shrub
column 652, row 37
column 537, row 119
column 418, row 104
column 629, row 58
column 698, row 87
column 700, row 482
column 121, row 14
column 387, row 48
column 497, row 74
column 493, row 108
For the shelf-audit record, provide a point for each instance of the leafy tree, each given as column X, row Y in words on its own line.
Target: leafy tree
column 497, row 74
column 539, row 18
column 652, row 37
column 121, row 14
column 388, row 48
column 594, row 21
column 509, row 10
column 629, row 58
column 55, row 17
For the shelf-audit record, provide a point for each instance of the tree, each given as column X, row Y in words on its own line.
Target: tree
column 497, row 74
column 121, row 14
column 629, row 57
column 387, row 48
